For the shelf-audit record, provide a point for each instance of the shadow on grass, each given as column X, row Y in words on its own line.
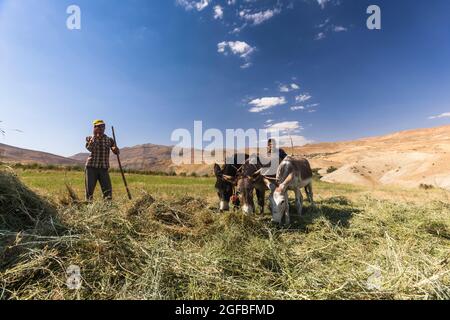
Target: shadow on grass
column 337, row 210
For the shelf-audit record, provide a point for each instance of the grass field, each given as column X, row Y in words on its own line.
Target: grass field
column 171, row 243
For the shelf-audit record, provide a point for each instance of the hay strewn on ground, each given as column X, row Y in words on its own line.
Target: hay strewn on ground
column 154, row 248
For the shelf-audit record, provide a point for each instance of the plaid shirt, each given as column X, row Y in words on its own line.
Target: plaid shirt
column 99, row 148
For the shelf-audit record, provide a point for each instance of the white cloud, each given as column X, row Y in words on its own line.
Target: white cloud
column 240, row 48
column 324, row 24
column 295, row 108
column 191, row 4
column 218, row 12
column 258, row 17
column 246, row 65
column 284, row 88
column 339, row 29
column 440, row 116
column 285, row 126
column 202, row 4
column 285, row 141
column 322, row 3
column 320, row 36
column 289, row 88
column 326, row 28
column 266, row 103
column 303, row 97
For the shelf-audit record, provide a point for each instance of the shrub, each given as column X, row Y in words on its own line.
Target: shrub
column 426, row 186
column 331, row 169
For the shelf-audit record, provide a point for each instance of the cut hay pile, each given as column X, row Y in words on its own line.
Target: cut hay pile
column 181, row 249
column 22, row 209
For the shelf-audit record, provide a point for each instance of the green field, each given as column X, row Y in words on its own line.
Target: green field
column 171, row 243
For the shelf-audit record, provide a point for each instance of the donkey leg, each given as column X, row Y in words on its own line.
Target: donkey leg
column 309, row 192
column 260, row 194
column 287, row 216
column 298, row 201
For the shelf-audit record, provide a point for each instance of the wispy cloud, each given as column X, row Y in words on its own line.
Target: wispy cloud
column 303, row 97
column 258, row 17
column 297, row 140
column 320, row 36
column 218, row 12
column 339, row 29
column 266, row 103
column 440, row 116
column 191, row 4
column 326, row 27
column 322, row 3
column 285, row 126
column 289, row 87
column 239, row 48
column 285, row 130
column 308, row 107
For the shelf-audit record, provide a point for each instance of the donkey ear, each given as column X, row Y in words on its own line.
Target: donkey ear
column 256, row 175
column 217, row 170
column 271, row 184
column 229, row 179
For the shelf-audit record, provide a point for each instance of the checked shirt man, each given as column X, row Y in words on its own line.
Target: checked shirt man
column 97, row 165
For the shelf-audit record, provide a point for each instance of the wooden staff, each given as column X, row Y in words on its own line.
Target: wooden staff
column 120, row 166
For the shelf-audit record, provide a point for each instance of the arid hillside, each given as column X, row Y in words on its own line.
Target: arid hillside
column 14, row 155
column 142, row 157
column 408, row 158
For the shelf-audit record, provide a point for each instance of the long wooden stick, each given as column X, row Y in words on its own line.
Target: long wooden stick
column 120, row 166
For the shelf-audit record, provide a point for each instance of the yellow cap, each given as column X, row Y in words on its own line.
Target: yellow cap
column 98, row 123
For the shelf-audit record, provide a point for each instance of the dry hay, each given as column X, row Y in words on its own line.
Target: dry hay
column 21, row 208
column 155, row 248
column 185, row 216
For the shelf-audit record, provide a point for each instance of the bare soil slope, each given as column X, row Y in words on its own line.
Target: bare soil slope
column 407, row 158
column 14, row 154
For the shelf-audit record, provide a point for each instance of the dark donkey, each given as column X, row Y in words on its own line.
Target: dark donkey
column 244, row 180
column 226, row 179
column 247, row 180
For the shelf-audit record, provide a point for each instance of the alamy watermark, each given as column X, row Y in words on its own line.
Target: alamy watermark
column 215, row 146
column 375, row 280
column 374, row 20
column 73, row 21
column 73, row 281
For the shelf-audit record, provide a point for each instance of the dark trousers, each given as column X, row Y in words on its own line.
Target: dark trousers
column 92, row 175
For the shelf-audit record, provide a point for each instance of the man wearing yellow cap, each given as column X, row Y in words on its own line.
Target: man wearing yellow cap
column 97, row 165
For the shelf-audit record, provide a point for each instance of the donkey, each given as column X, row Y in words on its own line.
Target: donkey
column 226, row 179
column 247, row 180
column 292, row 174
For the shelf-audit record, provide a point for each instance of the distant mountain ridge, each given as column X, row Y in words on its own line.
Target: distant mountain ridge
column 407, row 158
column 14, row 154
column 148, row 156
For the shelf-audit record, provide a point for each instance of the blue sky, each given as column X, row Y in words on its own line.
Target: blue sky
column 149, row 67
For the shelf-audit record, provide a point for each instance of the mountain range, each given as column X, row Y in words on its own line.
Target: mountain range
column 408, row 158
